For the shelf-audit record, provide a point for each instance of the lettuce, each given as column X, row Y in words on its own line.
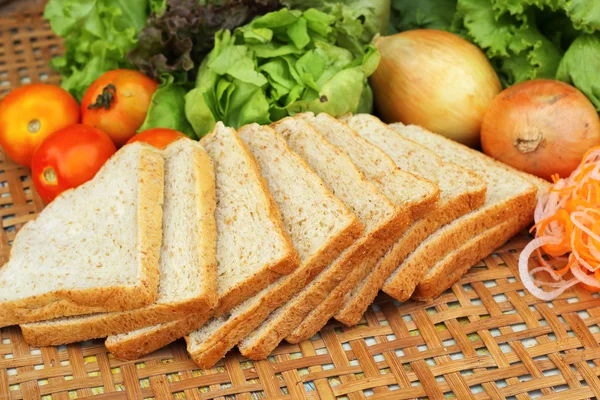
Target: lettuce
column 179, row 33
column 525, row 39
column 97, row 34
column 280, row 64
column 580, row 67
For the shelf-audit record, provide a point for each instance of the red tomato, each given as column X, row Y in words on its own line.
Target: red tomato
column 157, row 137
column 29, row 114
column 117, row 103
column 68, row 158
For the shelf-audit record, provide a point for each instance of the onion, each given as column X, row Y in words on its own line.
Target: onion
column 542, row 127
column 434, row 79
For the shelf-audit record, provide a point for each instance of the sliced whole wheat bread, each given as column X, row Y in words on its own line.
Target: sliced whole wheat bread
column 510, row 193
column 320, row 226
column 187, row 257
column 447, row 271
column 246, row 262
column 384, row 223
column 408, row 192
column 461, row 191
column 61, row 263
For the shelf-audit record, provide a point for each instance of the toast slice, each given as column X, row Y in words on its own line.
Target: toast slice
column 447, row 271
column 320, row 226
column 413, row 194
column 383, row 221
column 461, row 191
column 187, row 257
column 509, row 194
column 244, row 216
column 61, row 263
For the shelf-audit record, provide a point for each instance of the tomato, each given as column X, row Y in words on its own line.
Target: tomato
column 29, row 114
column 117, row 103
column 157, row 137
column 68, row 158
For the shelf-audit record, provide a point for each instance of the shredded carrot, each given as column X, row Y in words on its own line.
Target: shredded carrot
column 567, row 227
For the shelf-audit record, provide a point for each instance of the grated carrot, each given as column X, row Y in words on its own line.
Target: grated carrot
column 567, row 227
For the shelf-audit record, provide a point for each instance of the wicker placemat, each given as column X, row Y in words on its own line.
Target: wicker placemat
column 485, row 338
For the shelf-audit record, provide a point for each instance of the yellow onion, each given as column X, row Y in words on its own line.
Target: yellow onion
column 434, row 79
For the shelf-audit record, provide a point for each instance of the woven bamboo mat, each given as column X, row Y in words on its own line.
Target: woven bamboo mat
column 486, row 338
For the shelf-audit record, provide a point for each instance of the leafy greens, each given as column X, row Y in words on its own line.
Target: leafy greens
column 282, row 63
column 180, row 33
column 527, row 39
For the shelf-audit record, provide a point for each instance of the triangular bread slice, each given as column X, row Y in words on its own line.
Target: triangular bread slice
column 95, row 248
column 253, row 249
column 320, row 226
column 412, row 194
column 510, row 193
column 383, row 221
column 461, row 191
column 457, row 262
column 187, row 257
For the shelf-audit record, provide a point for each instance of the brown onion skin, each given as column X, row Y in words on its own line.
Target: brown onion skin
column 542, row 127
column 436, row 80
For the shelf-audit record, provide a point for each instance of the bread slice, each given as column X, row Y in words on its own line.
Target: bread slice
column 187, row 257
column 320, row 226
column 410, row 193
column 247, row 262
column 253, row 249
column 447, row 271
column 95, row 248
column 509, row 194
column 461, row 191
column 384, row 223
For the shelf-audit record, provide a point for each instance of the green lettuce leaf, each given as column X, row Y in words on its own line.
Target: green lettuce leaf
column 98, row 35
column 580, row 67
column 167, row 108
column 585, row 14
column 280, row 64
column 356, row 21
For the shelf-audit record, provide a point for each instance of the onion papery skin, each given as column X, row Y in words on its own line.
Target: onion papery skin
column 542, row 127
column 436, row 80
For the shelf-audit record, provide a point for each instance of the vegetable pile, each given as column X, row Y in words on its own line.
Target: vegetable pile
column 568, row 232
column 313, row 55
column 536, row 39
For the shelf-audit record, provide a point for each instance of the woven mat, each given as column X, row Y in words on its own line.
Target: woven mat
column 486, row 338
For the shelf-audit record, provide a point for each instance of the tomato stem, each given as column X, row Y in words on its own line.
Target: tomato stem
column 49, row 176
column 34, row 126
column 104, row 99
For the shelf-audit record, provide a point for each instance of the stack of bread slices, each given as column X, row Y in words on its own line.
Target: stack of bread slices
column 248, row 238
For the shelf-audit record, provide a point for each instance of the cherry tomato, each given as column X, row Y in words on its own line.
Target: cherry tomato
column 68, row 158
column 157, row 137
column 29, row 114
column 117, row 103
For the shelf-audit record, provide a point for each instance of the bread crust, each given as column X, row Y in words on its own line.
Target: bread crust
column 353, row 309
column 61, row 303
column 132, row 347
column 299, row 308
column 319, row 316
column 457, row 263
